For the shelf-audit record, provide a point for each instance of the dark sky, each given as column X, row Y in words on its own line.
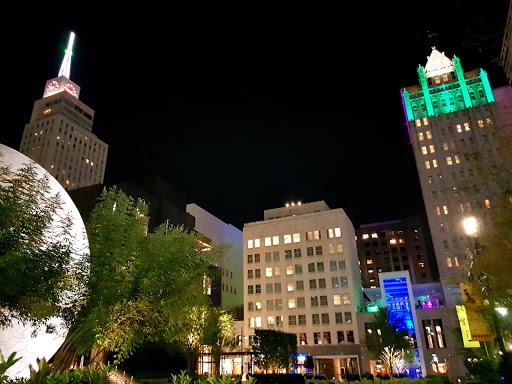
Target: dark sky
column 247, row 105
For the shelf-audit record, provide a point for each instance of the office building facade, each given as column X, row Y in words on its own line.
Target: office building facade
column 398, row 245
column 301, row 276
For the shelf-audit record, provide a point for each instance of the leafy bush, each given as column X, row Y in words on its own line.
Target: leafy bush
column 6, row 364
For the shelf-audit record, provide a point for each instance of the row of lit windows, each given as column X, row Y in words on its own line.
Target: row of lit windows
column 316, row 319
column 459, row 127
column 293, row 269
column 295, row 238
column 295, row 253
column 299, row 302
column 291, row 286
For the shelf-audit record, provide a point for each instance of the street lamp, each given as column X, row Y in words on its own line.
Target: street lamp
column 470, row 226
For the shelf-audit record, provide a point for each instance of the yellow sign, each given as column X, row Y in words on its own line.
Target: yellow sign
column 464, row 327
column 478, row 326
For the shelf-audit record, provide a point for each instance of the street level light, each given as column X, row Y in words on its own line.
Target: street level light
column 470, row 226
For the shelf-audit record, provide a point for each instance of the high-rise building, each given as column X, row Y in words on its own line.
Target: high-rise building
column 398, row 245
column 506, row 47
column 454, row 123
column 301, row 276
column 59, row 135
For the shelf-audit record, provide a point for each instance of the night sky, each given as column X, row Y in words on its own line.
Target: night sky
column 245, row 106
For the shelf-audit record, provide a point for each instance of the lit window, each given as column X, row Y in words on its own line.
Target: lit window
column 445, row 209
column 331, row 249
column 459, row 128
column 418, row 122
column 250, row 244
column 456, row 261
column 420, row 136
column 296, row 237
column 287, row 239
column 277, row 271
column 309, row 236
column 445, row 146
column 371, row 271
column 427, row 164
column 421, row 265
column 275, row 240
column 424, row 150
column 330, row 233
column 346, row 299
column 466, row 127
column 481, row 123
column 369, row 261
column 337, row 299
column 289, row 270
column 487, row 203
column 268, row 272
column 457, row 159
column 488, row 121
column 425, row 121
column 256, row 243
column 374, row 235
column 432, row 148
column 337, row 232
column 268, row 241
column 434, row 163
column 291, row 303
column 316, row 235
column 392, row 241
column 290, row 286
column 429, row 134
column 438, row 211
column 365, row 236
column 401, row 241
column 271, row 321
column 258, row 306
column 449, row 262
column 449, row 160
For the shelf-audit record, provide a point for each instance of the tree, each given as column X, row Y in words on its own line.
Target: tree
column 207, row 330
column 36, row 248
column 273, row 350
column 141, row 285
column 388, row 340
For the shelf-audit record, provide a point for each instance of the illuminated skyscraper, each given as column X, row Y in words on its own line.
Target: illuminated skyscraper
column 59, row 135
column 455, row 120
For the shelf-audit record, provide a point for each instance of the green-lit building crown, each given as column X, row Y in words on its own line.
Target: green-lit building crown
column 444, row 88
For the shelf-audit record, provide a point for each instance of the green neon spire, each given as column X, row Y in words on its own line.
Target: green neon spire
column 487, row 86
column 407, row 105
column 462, row 82
column 426, row 93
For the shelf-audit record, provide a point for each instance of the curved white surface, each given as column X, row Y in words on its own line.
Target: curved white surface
column 18, row 337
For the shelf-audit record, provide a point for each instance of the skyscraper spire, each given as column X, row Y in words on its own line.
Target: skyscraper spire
column 65, row 68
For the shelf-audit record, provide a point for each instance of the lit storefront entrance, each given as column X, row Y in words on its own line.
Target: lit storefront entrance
column 334, row 366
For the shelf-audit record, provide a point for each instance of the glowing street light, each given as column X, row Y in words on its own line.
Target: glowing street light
column 470, row 226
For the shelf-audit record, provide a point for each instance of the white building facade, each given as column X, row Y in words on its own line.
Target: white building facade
column 301, row 276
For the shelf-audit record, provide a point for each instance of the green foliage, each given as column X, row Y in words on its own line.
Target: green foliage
column 47, row 374
column 35, row 247
column 141, row 286
column 6, row 364
column 182, row 378
column 274, row 349
column 486, row 369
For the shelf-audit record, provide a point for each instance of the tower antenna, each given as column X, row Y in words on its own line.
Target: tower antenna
column 65, row 68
